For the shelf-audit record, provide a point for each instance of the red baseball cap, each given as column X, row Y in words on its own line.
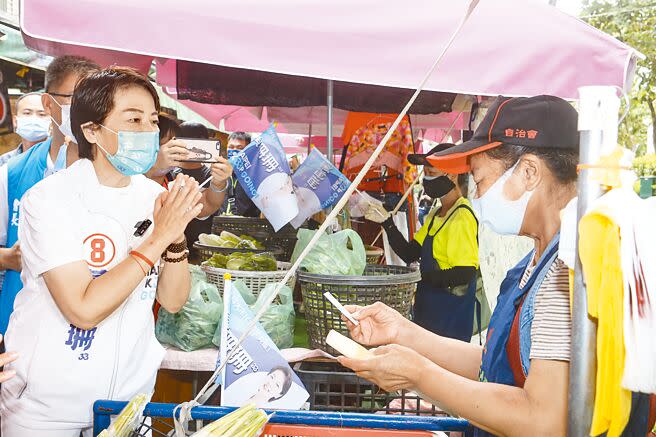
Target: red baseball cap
column 540, row 122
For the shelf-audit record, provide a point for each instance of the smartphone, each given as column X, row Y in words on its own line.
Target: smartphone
column 204, row 151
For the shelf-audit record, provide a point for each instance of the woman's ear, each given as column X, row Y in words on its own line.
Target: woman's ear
column 90, row 131
column 531, row 171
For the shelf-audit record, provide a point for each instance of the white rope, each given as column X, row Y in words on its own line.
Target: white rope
column 322, row 229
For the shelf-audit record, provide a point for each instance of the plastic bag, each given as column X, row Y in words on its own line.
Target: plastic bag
column 278, row 321
column 331, row 255
column 193, row 327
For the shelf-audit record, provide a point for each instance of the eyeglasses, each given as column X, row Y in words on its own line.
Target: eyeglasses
column 61, row 95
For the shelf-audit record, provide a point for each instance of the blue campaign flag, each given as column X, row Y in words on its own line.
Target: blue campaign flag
column 318, row 185
column 263, row 171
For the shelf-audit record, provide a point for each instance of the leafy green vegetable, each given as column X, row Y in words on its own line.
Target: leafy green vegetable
column 244, row 261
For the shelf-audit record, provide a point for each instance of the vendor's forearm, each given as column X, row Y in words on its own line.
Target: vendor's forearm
column 456, row 356
column 212, row 201
column 500, row 409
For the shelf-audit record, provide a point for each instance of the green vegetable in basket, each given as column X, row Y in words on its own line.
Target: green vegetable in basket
column 256, row 244
column 230, row 237
column 247, row 421
column 210, row 240
column 218, row 260
column 243, row 261
column 129, row 419
column 264, row 262
column 235, row 263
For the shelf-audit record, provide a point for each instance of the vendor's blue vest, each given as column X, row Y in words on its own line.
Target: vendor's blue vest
column 495, row 365
column 23, row 172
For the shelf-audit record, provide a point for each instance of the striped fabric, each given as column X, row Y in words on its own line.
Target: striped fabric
column 551, row 331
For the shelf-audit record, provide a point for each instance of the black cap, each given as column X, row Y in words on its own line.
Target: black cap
column 540, row 122
column 420, row 158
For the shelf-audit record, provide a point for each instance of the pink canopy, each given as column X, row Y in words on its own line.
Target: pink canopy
column 511, row 47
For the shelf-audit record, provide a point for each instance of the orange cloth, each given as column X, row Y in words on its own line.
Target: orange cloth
column 363, row 133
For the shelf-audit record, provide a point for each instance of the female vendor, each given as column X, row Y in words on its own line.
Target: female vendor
column 447, row 248
column 92, row 238
column 523, row 159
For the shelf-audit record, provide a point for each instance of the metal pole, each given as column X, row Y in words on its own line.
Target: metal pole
column 329, row 131
column 598, row 127
column 583, row 364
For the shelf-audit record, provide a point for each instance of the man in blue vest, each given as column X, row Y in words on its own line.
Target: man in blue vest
column 25, row 170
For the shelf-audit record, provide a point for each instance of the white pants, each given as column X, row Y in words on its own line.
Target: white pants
column 10, row 429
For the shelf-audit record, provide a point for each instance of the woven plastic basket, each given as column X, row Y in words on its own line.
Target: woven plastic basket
column 374, row 254
column 256, row 281
column 261, row 230
column 395, row 286
column 205, row 252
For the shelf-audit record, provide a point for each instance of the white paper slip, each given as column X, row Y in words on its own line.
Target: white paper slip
column 346, row 346
column 340, row 307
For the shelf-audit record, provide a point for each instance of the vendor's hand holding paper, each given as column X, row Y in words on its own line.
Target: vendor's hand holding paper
column 378, row 324
column 391, row 367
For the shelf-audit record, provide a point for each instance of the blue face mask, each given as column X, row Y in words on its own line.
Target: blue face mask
column 137, row 151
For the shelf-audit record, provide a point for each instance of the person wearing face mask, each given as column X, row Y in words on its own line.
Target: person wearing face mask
column 27, row 169
column 100, row 243
column 237, row 201
column 31, row 124
column 523, row 158
column 447, row 248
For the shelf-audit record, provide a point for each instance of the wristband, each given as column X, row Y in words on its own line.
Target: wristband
column 216, row 190
column 139, row 264
column 143, row 258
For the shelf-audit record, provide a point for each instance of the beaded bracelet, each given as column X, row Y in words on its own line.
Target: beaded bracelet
column 176, row 260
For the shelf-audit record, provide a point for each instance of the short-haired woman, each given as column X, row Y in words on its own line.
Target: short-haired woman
column 92, row 237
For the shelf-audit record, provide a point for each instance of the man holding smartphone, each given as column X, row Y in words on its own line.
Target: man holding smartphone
column 214, row 196
column 237, row 201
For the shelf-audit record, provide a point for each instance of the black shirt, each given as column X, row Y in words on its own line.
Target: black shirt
column 237, row 201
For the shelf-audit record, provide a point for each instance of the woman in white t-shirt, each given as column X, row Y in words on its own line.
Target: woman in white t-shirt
column 92, row 237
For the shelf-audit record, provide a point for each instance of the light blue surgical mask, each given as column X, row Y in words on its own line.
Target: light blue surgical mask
column 32, row 128
column 137, row 151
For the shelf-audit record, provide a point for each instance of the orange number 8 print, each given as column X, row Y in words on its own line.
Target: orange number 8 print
column 100, row 250
column 97, row 250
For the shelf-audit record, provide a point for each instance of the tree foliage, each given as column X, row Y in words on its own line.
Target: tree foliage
column 634, row 23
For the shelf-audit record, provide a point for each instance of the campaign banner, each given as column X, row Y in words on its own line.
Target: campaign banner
column 257, row 373
column 318, row 185
column 263, row 171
